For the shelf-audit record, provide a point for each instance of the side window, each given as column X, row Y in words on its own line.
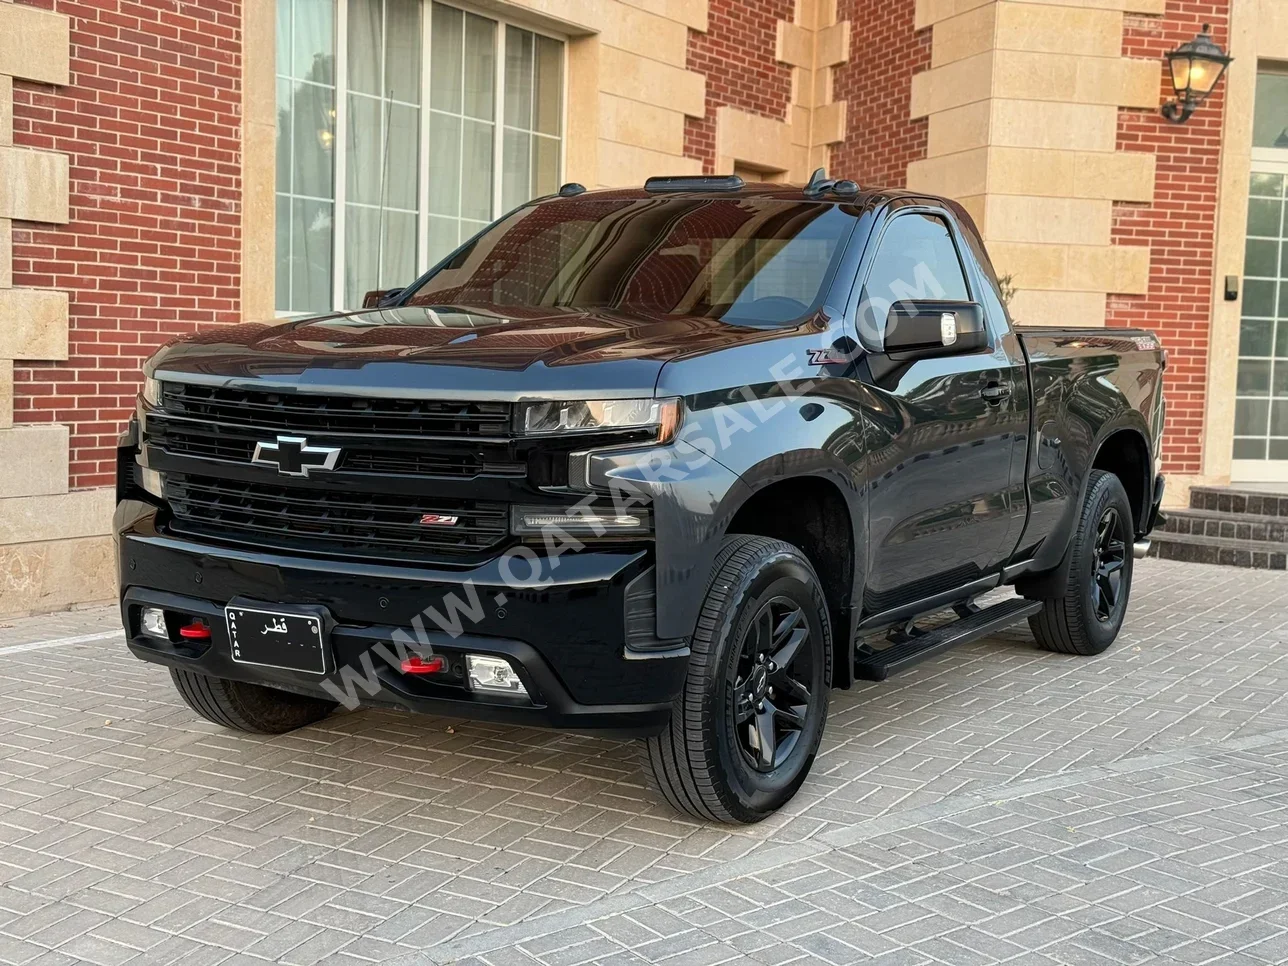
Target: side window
column 991, row 296
column 917, row 259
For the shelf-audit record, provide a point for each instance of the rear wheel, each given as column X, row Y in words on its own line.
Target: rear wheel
column 746, row 727
column 1086, row 618
column 248, row 707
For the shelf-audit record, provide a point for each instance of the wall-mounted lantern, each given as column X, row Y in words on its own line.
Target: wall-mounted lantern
column 1196, row 67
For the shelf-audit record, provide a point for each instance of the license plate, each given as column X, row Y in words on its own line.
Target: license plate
column 276, row 639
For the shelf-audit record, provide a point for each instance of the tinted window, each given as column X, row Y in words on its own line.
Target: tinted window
column 991, row 293
column 749, row 261
column 917, row 260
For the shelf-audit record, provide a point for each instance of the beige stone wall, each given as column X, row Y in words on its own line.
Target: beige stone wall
column 812, row 43
column 54, row 548
column 1258, row 32
column 1022, row 99
column 259, row 159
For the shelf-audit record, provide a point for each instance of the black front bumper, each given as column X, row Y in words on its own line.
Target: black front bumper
column 566, row 638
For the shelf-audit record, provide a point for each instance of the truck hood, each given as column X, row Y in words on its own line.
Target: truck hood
column 459, row 351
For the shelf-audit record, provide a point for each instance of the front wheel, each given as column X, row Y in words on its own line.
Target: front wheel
column 1087, row 617
column 247, row 707
column 746, row 726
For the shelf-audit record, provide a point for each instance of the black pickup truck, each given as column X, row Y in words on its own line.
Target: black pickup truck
column 668, row 462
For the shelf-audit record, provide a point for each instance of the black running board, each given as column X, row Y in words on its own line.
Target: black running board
column 879, row 665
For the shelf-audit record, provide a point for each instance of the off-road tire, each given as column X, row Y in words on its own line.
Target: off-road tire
column 696, row 762
column 1069, row 623
column 248, row 707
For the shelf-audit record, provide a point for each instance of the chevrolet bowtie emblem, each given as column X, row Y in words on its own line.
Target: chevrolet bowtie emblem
column 293, row 456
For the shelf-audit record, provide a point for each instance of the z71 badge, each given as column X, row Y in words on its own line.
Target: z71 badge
column 830, row 356
column 438, row 520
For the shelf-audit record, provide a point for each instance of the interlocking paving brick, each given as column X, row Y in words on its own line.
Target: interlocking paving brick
column 997, row 804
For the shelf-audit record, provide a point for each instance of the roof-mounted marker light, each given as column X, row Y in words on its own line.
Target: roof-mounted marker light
column 695, row 182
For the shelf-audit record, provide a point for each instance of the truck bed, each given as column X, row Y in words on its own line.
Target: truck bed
column 1085, row 385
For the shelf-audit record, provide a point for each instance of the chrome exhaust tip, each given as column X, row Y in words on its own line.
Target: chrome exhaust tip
column 1140, row 548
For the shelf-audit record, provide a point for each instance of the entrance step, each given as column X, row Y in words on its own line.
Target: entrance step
column 1233, row 526
column 1229, row 526
column 877, row 665
column 1229, row 551
column 1228, row 499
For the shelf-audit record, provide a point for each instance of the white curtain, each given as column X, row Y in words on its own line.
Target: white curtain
column 383, row 150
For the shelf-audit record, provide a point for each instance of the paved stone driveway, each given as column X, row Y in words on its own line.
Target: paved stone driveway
column 1000, row 804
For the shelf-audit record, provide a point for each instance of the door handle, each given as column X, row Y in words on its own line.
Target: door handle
column 994, row 393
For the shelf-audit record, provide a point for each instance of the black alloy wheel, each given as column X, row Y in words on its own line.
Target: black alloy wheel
column 748, row 722
column 1083, row 612
column 771, row 687
column 1110, row 560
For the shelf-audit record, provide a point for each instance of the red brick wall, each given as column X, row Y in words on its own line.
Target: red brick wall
column 1179, row 225
column 151, row 121
column 876, row 84
column 737, row 56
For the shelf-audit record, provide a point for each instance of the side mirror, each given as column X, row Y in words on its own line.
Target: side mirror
column 925, row 329
column 379, row 296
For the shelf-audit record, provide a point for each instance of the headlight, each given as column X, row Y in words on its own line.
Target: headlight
column 151, row 392
column 590, row 415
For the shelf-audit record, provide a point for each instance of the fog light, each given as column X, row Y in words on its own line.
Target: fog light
column 151, row 391
column 493, row 674
column 154, row 623
column 578, row 521
column 151, row 481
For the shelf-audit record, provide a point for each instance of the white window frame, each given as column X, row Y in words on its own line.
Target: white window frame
column 1264, row 161
column 340, row 144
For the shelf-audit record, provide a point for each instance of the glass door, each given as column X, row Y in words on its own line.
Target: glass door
column 1261, row 395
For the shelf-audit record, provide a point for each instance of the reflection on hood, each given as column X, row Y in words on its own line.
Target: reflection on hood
column 484, row 338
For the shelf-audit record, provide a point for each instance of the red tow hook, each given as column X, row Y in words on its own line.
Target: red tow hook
column 196, row 631
column 416, row 665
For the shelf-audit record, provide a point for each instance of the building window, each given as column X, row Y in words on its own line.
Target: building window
column 404, row 126
column 305, row 153
column 1270, row 113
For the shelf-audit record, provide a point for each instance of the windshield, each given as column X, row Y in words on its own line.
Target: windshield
column 747, row 261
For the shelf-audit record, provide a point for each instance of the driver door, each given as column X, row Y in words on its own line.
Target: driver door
column 940, row 427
